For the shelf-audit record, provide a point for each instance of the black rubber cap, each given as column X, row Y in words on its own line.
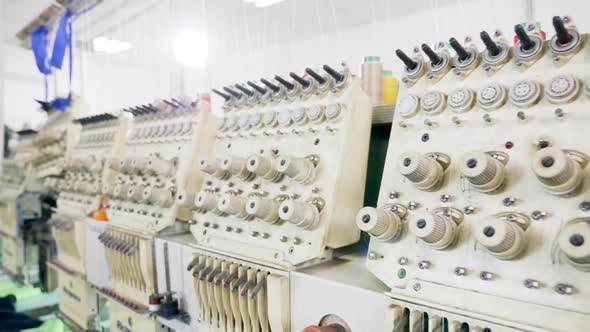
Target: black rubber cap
column 526, row 43
column 435, row 59
column 563, row 36
column 492, row 47
column 410, row 64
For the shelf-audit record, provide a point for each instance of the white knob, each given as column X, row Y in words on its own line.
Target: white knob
column 302, row 214
column 483, row 172
column 438, row 232
column 115, row 164
column 233, row 205
column 206, row 200
column 160, row 166
column 139, row 165
column 125, row 165
column 185, row 199
column 158, row 196
column 236, row 167
column 502, row 238
column 424, row 172
column 301, row 170
column 94, row 188
column 558, row 173
column 120, row 191
column 263, row 167
column 263, row 208
column 107, row 189
column 574, row 242
column 379, row 223
column 211, row 167
column 135, row 193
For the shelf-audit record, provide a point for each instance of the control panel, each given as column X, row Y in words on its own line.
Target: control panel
column 162, row 147
column 288, row 167
column 483, row 209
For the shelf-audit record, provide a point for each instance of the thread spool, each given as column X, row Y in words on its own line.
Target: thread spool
column 371, row 78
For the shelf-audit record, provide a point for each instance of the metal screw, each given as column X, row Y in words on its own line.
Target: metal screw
column 315, row 190
column 509, row 201
column 238, row 230
column 585, row 206
column 559, row 112
column 228, row 228
column 485, row 275
column 564, row 289
column 487, row 118
column 265, row 235
column 254, row 233
column 511, row 218
column 469, row 209
column 412, row 205
column 538, row 215
column 374, row 256
column 296, row 240
column 532, row 283
column 283, row 238
column 445, row 198
column 424, row 265
column 395, row 194
column 416, row 287
column 460, row 271
column 456, row 120
column 402, row 261
column 521, row 116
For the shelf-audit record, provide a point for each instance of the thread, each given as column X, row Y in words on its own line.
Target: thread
column 371, row 78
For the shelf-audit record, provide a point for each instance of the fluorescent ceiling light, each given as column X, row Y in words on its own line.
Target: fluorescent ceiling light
column 109, row 46
column 191, row 48
column 263, row 3
column 267, row 3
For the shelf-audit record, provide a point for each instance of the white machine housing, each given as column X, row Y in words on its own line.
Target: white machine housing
column 502, row 244
column 163, row 143
column 287, row 172
column 102, row 138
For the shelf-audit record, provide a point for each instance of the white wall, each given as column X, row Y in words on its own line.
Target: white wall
column 22, row 84
column 108, row 83
column 456, row 19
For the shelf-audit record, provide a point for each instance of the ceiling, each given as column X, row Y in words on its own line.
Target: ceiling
column 231, row 25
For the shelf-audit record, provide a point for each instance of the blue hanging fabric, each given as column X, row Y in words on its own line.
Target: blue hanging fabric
column 39, row 46
column 63, row 40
